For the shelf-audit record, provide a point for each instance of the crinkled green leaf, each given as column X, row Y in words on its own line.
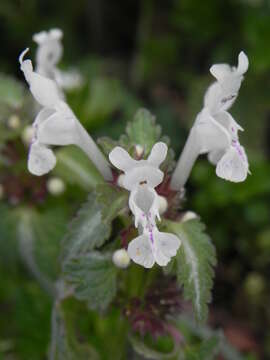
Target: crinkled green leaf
column 92, row 225
column 64, row 345
column 87, row 231
column 76, row 168
column 94, row 277
column 195, row 260
column 143, row 130
column 112, row 200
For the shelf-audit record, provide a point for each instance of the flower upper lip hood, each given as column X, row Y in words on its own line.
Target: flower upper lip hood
column 140, row 171
column 44, row 90
column 222, row 94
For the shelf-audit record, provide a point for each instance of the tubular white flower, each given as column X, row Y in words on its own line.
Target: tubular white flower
column 141, row 177
column 215, row 131
column 48, row 55
column 56, row 124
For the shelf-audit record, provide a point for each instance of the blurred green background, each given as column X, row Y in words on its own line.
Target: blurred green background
column 155, row 54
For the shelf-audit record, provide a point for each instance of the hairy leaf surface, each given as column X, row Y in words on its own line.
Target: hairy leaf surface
column 94, row 277
column 195, row 260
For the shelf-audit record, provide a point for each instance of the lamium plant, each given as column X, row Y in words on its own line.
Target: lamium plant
column 132, row 246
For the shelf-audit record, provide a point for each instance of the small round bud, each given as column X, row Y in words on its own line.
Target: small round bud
column 163, row 204
column 189, row 215
column 139, row 150
column 27, row 135
column 14, row 122
column 121, row 259
column 56, row 186
column 120, row 180
column 1, row 191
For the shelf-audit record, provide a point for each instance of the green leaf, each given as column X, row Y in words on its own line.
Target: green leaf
column 105, row 96
column 207, row 350
column 64, row 345
column 94, row 277
column 195, row 260
column 75, row 167
column 143, row 130
column 112, row 200
column 92, row 225
column 147, row 352
column 87, row 231
column 11, row 91
column 107, row 144
column 39, row 235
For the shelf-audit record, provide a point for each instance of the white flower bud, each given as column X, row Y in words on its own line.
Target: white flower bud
column 120, row 180
column 56, row 186
column 162, row 204
column 189, row 215
column 139, row 150
column 121, row 259
column 14, row 122
column 27, row 135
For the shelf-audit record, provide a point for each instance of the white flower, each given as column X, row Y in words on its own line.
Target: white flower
column 68, row 80
column 215, row 132
column 141, row 177
column 55, row 124
column 121, row 259
column 56, row 186
column 48, row 55
column 217, row 135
